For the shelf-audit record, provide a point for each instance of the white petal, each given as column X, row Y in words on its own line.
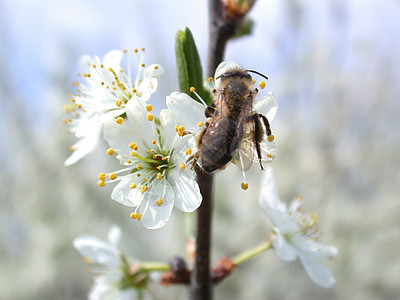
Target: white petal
column 105, row 287
column 127, row 294
column 222, row 68
column 187, row 191
column 168, row 133
column 187, row 111
column 267, row 106
column 113, row 59
column 269, row 199
column 118, row 136
column 97, row 250
column 123, row 194
column 84, row 64
column 141, row 128
column 154, row 70
column 89, row 139
column 318, row 273
column 314, row 249
column 283, row 249
column 154, row 216
column 146, row 88
column 114, row 234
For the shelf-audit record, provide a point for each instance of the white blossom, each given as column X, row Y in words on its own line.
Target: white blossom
column 103, row 95
column 105, row 262
column 295, row 234
column 155, row 177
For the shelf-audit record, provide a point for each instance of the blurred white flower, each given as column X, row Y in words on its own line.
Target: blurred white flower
column 191, row 114
column 295, row 234
column 156, row 178
column 105, row 90
column 107, row 264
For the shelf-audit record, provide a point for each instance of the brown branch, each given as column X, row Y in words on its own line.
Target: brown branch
column 221, row 29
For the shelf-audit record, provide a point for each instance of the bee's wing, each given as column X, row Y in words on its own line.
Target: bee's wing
column 245, row 154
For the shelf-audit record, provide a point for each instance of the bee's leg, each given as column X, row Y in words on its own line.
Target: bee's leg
column 209, row 111
column 195, row 156
column 257, row 137
column 267, row 127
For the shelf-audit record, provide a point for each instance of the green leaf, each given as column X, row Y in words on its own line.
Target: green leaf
column 188, row 63
column 181, row 65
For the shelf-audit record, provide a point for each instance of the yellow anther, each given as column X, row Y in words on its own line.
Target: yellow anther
column 133, row 153
column 153, row 142
column 87, row 260
column 154, row 156
column 102, row 176
column 155, row 67
column 143, row 65
column 73, row 100
column 134, row 215
column 143, row 49
column 159, row 201
column 118, row 103
column 119, row 120
column 270, row 138
column 132, row 185
column 149, row 151
column 158, row 168
column 144, row 179
column 128, row 161
column 159, row 176
column 102, row 83
column 110, row 151
column 132, row 145
column 188, row 151
column 269, row 155
column 138, row 166
column 136, row 50
column 113, row 176
column 139, row 216
column 181, row 129
column 180, row 133
column 253, row 80
column 138, row 174
column 200, row 124
column 210, row 79
column 192, row 89
column 144, row 188
column 262, row 84
column 182, row 166
column 101, row 183
column 79, row 105
column 125, row 50
column 244, row 185
column 164, row 158
column 176, row 128
column 65, row 122
column 134, row 90
column 149, row 107
column 94, row 66
column 70, row 148
column 150, row 117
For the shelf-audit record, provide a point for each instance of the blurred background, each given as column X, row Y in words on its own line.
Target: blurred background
column 334, row 68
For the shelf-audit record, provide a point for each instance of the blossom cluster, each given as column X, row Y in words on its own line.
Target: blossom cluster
column 156, row 173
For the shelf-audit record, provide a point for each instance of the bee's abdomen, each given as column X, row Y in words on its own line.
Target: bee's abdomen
column 218, row 145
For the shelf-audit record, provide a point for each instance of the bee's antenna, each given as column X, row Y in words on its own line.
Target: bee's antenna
column 257, row 73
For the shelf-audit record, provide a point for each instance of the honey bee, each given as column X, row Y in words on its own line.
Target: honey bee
column 233, row 130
